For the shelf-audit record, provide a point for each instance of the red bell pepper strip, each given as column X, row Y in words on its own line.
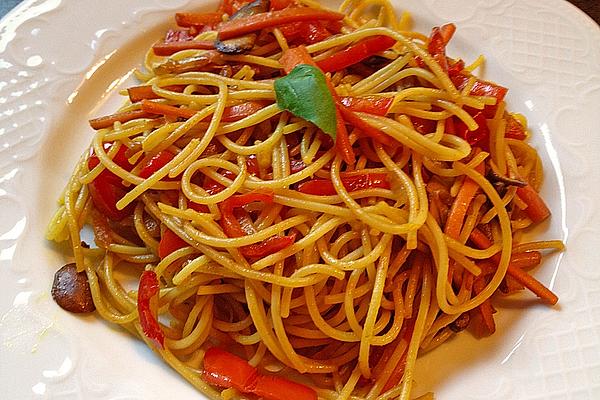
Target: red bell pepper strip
column 170, row 242
column 107, row 188
column 187, row 20
column 268, row 246
column 305, row 32
column 147, row 305
column 514, row 129
column 536, row 207
column 120, row 159
column 359, row 123
column 352, row 183
column 425, row 126
column 233, row 228
column 446, row 32
column 455, row 68
column 243, row 110
column 227, row 370
column 242, row 26
column 276, row 388
column 252, row 165
column 138, row 93
column 161, row 159
column 356, row 53
column 376, row 105
column 438, row 40
column 480, row 136
column 280, row 4
column 109, row 120
column 167, row 49
column 214, row 187
column 105, row 195
column 437, row 48
column 482, row 88
column 224, row 369
column 229, row 221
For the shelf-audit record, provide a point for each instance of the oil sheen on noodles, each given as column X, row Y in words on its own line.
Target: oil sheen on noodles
column 326, row 263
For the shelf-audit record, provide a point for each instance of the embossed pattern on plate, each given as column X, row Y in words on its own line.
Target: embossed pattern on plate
column 62, row 61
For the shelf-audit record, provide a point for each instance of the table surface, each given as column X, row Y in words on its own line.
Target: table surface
column 591, row 7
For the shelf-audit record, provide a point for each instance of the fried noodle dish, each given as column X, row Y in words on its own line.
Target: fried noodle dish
column 296, row 202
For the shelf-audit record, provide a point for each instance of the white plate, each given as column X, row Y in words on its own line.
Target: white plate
column 61, row 62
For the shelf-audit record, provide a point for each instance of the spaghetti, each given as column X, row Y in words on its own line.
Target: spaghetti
column 324, row 248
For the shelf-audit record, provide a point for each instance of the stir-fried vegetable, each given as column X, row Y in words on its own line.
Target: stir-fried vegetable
column 147, row 304
column 351, row 182
column 227, row 370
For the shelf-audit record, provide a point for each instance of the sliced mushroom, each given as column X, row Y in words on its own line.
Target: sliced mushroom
column 189, row 64
column 461, row 323
column 244, row 43
column 495, row 177
column 71, row 290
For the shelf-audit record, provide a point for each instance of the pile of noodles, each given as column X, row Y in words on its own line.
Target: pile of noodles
column 364, row 288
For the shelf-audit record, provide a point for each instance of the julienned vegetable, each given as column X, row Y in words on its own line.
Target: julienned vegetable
column 240, row 225
column 107, row 188
column 257, row 22
column 351, row 182
column 483, row 242
column 169, row 242
column 147, row 305
column 304, row 93
column 227, row 370
column 356, row 53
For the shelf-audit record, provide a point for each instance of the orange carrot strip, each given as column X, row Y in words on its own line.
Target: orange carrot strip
column 482, row 241
column 514, row 271
column 459, row 209
column 109, row 120
column 526, row 259
column 167, row 49
column 485, row 309
column 296, row 56
column 138, row 93
column 242, row 26
column 299, row 55
column 375, row 105
column 532, row 284
column 536, row 207
column 342, row 141
column 167, row 110
column 398, row 372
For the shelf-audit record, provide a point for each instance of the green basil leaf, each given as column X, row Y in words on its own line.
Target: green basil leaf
column 304, row 93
